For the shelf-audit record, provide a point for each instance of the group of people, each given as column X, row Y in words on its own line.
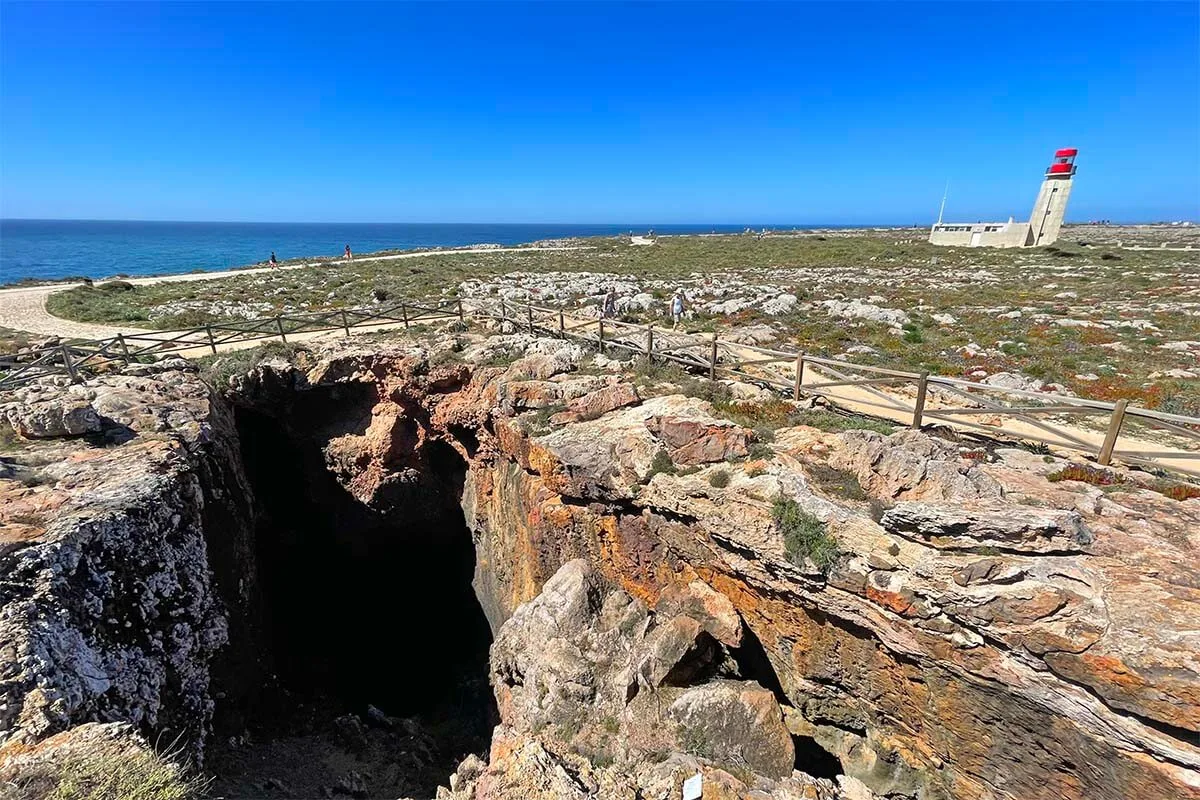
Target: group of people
column 675, row 306
column 273, row 262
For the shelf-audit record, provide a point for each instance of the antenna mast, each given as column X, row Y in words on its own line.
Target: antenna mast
column 943, row 208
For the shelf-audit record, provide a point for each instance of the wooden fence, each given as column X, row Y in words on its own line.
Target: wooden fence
column 76, row 358
column 912, row 398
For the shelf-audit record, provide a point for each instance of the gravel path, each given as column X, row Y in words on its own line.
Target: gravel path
column 24, row 308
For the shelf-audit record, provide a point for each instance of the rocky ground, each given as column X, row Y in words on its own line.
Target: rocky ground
column 1084, row 316
column 678, row 579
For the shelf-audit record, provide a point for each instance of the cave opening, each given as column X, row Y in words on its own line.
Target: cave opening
column 754, row 663
column 814, row 759
column 371, row 627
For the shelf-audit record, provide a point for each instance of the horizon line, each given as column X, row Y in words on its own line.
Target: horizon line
column 635, row 225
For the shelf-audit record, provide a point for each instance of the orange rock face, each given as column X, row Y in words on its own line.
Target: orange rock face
column 1000, row 637
column 983, row 634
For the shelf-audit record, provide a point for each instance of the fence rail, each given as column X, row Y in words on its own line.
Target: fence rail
column 913, row 398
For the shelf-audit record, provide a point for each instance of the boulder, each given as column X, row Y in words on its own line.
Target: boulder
column 46, row 419
column 733, row 722
column 698, row 441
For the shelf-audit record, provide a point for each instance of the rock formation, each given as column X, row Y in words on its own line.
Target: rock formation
column 983, row 632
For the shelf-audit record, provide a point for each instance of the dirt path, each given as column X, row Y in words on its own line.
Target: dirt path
column 861, row 400
column 24, row 308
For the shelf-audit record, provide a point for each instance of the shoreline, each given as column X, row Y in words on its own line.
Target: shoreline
column 544, row 241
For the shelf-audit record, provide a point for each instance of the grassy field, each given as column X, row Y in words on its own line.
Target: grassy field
column 1098, row 321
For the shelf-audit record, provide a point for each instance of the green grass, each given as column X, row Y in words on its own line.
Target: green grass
column 839, row 422
column 218, row 369
column 86, row 774
column 970, row 283
column 804, row 535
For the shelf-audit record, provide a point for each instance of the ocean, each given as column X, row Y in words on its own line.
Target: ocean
column 51, row 249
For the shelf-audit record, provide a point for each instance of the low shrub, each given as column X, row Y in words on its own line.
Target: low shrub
column 1086, row 473
column 764, row 417
column 837, row 422
column 719, row 479
column 805, row 536
column 103, row 773
column 1097, row 476
column 661, row 464
column 220, row 368
column 835, row 481
column 761, row 451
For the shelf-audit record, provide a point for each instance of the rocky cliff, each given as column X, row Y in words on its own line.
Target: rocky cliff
column 825, row 614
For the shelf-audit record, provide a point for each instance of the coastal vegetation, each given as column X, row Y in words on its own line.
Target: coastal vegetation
column 1064, row 318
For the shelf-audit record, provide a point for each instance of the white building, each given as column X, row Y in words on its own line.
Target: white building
column 1044, row 223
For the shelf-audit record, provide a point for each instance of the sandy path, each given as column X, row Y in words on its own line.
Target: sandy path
column 24, row 308
column 860, row 400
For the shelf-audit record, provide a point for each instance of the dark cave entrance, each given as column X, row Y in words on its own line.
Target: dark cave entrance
column 753, row 663
column 364, row 605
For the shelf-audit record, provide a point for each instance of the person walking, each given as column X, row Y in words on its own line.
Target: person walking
column 272, row 261
column 676, row 308
column 610, row 303
column 348, row 254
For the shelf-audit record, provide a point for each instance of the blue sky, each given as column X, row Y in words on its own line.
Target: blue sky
column 575, row 112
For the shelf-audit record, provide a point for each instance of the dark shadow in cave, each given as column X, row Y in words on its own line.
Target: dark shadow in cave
column 367, row 605
column 815, row 760
column 753, row 663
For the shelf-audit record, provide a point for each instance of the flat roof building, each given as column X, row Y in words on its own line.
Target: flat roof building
column 1044, row 223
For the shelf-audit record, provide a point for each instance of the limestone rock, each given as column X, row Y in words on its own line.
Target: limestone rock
column 693, row 440
column 1033, row 530
column 730, row 722
column 50, row 418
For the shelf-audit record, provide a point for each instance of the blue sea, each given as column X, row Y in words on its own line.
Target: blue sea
column 49, row 249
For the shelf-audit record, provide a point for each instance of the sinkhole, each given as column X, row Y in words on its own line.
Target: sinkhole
column 370, row 628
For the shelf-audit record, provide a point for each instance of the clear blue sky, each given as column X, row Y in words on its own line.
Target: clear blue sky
column 677, row 112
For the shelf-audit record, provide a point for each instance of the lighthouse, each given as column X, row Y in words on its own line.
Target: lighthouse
column 1051, row 204
column 1044, row 223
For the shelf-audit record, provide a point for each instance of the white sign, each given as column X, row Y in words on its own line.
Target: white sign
column 693, row 787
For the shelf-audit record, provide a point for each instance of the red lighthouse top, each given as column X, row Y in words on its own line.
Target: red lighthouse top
column 1064, row 163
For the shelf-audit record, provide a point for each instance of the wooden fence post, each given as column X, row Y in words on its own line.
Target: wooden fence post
column 649, row 344
column 1114, row 430
column 799, row 380
column 279, row 324
column 600, row 338
column 529, row 318
column 212, row 343
column 345, row 323
column 460, row 311
column 404, row 314
column 503, row 310
column 124, row 347
column 919, row 408
column 562, row 325
column 712, row 360
column 66, row 357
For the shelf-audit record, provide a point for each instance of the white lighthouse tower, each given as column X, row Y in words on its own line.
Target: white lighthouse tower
column 1044, row 223
column 1051, row 204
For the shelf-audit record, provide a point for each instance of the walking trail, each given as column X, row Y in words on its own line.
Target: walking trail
column 24, row 308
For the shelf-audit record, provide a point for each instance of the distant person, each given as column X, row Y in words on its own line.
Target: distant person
column 348, row 255
column 610, row 303
column 273, row 262
column 676, row 309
